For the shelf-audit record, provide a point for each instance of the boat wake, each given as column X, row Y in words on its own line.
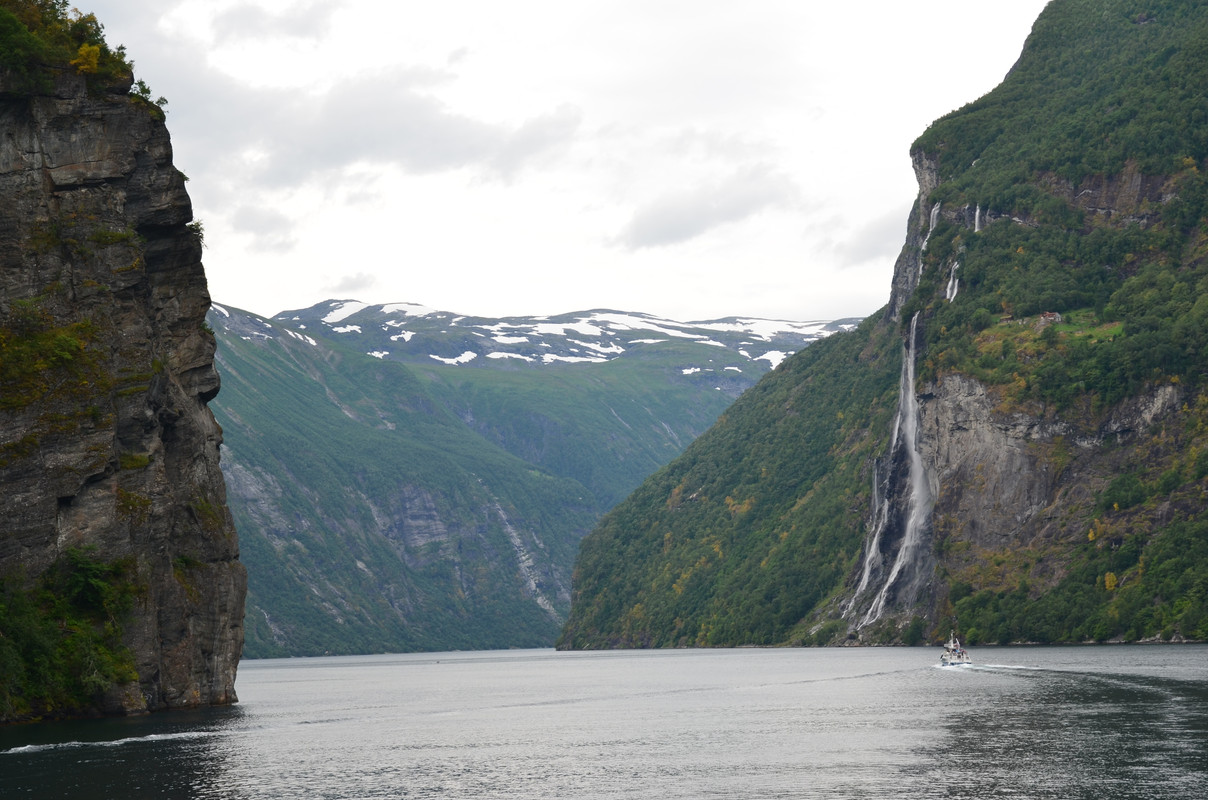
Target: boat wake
column 154, row 737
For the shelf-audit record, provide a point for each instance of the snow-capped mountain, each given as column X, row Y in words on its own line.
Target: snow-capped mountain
column 416, row 334
column 404, row 478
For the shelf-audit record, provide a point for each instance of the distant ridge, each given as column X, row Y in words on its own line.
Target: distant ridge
column 410, row 479
column 418, row 334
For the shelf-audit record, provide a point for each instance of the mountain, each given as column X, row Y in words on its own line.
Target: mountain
column 410, row 479
column 1015, row 445
column 120, row 585
column 603, row 397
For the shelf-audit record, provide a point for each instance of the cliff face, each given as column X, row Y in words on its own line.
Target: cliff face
column 107, row 447
column 1006, row 489
column 1018, row 445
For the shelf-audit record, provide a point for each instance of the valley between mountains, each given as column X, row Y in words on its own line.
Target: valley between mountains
column 404, row 478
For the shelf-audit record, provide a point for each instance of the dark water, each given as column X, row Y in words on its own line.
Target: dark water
column 1094, row 722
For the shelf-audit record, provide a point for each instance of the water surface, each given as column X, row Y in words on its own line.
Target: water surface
column 1061, row 722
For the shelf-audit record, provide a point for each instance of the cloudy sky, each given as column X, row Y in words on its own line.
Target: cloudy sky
column 688, row 159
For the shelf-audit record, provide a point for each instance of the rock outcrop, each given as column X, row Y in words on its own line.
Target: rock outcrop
column 107, row 446
column 999, row 477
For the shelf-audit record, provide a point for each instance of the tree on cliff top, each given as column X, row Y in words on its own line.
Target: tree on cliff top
column 36, row 35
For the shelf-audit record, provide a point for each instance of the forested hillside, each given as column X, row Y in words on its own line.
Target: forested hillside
column 1047, row 482
column 409, row 479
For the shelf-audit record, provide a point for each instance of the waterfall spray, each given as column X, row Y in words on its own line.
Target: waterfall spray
column 880, row 519
column 905, row 435
column 953, row 283
column 935, row 217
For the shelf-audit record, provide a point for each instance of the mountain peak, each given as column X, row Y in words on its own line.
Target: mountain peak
column 414, row 333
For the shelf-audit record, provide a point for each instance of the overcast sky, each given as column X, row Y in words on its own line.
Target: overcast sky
column 688, row 159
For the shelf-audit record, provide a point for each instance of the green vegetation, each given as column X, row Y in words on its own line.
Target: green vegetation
column 599, row 424
column 1105, row 102
column 1136, row 565
column 60, row 641
column 378, row 529
column 1132, row 587
column 39, row 35
column 1086, row 167
column 334, row 457
column 737, row 540
column 1100, row 84
column 134, row 460
column 40, row 359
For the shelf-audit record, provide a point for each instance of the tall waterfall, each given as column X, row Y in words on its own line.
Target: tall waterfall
column 954, row 283
column 919, row 500
column 880, row 503
column 977, row 219
column 935, row 217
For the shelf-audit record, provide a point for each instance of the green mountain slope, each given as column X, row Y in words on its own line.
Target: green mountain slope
column 603, row 397
column 1046, row 480
column 757, row 522
column 391, row 499
column 371, row 519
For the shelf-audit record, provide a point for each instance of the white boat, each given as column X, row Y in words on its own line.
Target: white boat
column 954, row 655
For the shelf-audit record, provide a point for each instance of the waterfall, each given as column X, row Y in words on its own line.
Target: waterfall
column 935, row 217
column 880, row 519
column 953, row 283
column 919, row 500
column 977, row 219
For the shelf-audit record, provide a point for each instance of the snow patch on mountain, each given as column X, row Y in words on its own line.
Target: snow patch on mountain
column 550, row 358
column 464, row 358
column 408, row 309
column 343, row 309
column 590, row 337
column 773, row 357
column 612, row 348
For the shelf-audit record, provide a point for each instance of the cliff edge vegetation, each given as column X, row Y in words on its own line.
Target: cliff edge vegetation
column 1017, row 444
column 120, row 585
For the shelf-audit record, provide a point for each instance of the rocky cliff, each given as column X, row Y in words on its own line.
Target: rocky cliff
column 1017, row 444
column 1008, row 486
column 114, row 517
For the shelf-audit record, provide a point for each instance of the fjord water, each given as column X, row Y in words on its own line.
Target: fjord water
column 1062, row 722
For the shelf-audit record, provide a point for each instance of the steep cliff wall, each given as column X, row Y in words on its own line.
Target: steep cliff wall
column 1018, row 444
column 1055, row 268
column 108, row 452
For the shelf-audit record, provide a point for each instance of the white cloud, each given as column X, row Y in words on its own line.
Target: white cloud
column 356, row 283
column 687, row 213
column 269, row 229
column 696, row 159
column 251, row 21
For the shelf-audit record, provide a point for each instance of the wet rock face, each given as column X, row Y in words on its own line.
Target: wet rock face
column 106, row 442
column 1005, row 480
column 992, row 470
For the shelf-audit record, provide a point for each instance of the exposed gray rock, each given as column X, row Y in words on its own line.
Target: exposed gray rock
column 115, row 448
